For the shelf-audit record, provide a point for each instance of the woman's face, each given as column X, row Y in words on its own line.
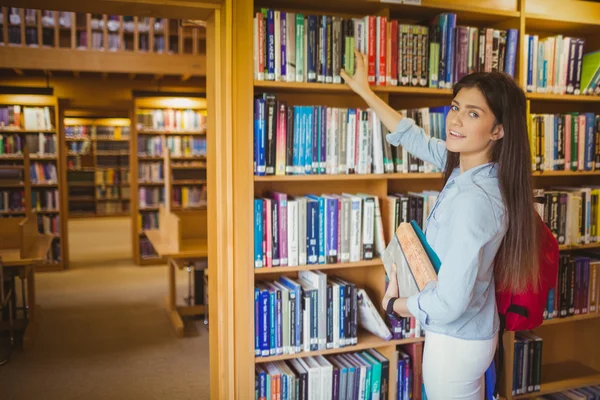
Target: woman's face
column 470, row 125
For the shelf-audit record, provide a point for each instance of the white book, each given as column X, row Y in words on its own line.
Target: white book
column 335, row 133
column 564, row 64
column 306, row 318
column 41, row 143
column 314, row 378
column 286, row 316
column 329, row 149
column 351, row 142
column 326, row 378
column 368, row 226
column 319, row 280
column 363, row 144
column 344, row 251
column 302, row 220
column 369, row 317
column 361, row 369
column 549, row 54
column 293, row 232
column 380, row 243
column 277, row 34
column 342, row 140
column 336, row 313
column 355, row 228
column 377, row 144
column 535, row 62
column 290, row 44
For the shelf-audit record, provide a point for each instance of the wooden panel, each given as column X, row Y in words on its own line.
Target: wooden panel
column 10, row 237
column 569, row 11
column 304, row 188
column 95, row 61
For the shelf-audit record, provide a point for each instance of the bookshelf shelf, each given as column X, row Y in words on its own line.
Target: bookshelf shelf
column 173, row 133
column 575, row 318
column 564, row 376
column 78, row 199
column 321, row 267
column 11, row 185
column 579, row 247
column 42, row 185
column 343, row 177
column 544, row 174
column 17, row 131
column 43, row 158
column 562, row 97
column 365, row 341
column 6, row 157
column 342, row 88
column 151, row 183
column 189, row 166
column 188, row 182
column 22, row 212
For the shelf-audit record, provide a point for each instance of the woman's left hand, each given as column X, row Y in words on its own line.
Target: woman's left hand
column 392, row 290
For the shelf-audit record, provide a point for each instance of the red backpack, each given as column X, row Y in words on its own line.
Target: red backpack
column 525, row 310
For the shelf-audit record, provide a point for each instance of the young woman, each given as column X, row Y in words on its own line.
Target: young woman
column 482, row 227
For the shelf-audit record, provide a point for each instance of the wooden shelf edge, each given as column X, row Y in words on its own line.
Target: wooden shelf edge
column 365, row 341
column 567, row 247
column 333, row 87
column 562, row 97
column 575, row 318
column 345, row 177
column 543, row 174
column 559, row 386
column 360, row 264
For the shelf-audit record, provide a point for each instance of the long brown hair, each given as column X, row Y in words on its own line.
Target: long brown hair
column 516, row 264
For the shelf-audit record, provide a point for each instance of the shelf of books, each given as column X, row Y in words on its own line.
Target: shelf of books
column 31, row 178
column 168, row 159
column 326, row 191
column 47, row 33
column 97, row 159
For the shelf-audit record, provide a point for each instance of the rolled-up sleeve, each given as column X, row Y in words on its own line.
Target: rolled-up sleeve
column 474, row 226
column 414, row 139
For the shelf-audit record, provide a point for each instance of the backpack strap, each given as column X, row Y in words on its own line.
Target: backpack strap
column 515, row 309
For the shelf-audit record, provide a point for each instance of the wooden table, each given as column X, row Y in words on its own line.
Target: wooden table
column 178, row 255
column 35, row 255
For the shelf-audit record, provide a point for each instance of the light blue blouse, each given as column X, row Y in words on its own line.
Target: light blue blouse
column 465, row 228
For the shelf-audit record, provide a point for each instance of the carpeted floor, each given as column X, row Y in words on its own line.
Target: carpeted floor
column 104, row 333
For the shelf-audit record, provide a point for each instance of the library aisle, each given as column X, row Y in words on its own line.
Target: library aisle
column 104, row 332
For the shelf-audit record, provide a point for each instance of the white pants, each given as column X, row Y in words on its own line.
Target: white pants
column 454, row 368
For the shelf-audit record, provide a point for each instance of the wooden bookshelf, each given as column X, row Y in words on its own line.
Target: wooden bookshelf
column 58, row 256
column 122, row 46
column 140, row 157
column 530, row 17
column 86, row 171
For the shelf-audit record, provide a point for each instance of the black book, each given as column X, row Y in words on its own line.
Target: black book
column 289, row 145
column 571, row 287
column 563, row 268
column 562, row 217
column 275, row 231
column 560, row 144
column 271, row 143
column 329, row 316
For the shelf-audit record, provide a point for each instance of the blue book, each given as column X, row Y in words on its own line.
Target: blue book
column 443, row 23
column 321, row 227
column 258, row 233
column 323, row 142
column 550, row 303
column 314, row 134
column 261, row 136
column 540, row 67
column 264, row 321
column 331, row 226
column 590, row 140
column 257, row 317
column 451, row 50
column 511, row 51
column 530, row 64
column 270, row 45
column 308, row 149
column 312, row 231
column 282, row 37
column 297, row 126
column 322, row 64
column 272, row 321
column 342, row 315
column 302, row 140
column 311, row 46
column 278, row 318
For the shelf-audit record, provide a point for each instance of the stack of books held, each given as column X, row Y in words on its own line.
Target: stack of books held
column 304, row 140
column 294, row 47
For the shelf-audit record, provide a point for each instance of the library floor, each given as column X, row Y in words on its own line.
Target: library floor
column 104, row 333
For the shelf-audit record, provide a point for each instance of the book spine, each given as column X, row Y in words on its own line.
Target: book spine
column 329, row 304
column 312, row 48
column 381, row 47
column 258, row 233
column 270, row 45
column 329, row 52
column 313, row 234
column 511, row 52
column 306, row 164
column 289, row 147
column 589, row 140
column 451, row 50
column 300, row 48
column 579, row 64
column 371, row 40
column 283, row 46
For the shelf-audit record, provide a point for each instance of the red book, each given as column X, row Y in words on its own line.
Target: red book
column 394, row 55
column 415, row 350
column 489, row 44
column 268, row 233
column 382, row 36
column 261, row 47
column 372, row 47
column 280, row 149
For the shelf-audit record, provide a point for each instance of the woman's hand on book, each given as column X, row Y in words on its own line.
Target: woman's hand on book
column 392, row 289
column 359, row 83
